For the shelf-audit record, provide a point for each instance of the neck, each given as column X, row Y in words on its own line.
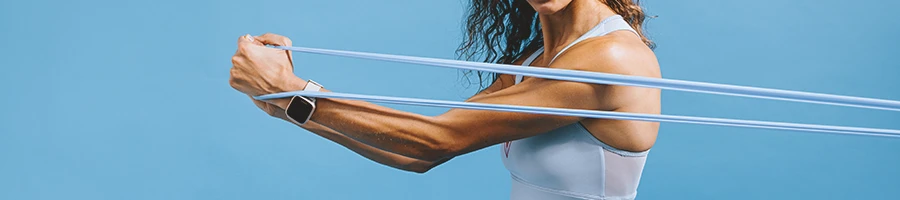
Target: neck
column 565, row 26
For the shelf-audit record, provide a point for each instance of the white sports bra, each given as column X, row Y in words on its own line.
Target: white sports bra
column 569, row 162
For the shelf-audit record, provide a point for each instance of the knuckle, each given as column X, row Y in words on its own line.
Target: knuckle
column 241, row 40
column 234, row 74
column 270, row 34
column 233, row 84
column 284, row 41
column 231, row 78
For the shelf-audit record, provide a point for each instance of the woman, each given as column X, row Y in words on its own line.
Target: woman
column 549, row 157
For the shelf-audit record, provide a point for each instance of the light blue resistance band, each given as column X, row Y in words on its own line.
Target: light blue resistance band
column 603, row 78
column 617, row 79
column 594, row 113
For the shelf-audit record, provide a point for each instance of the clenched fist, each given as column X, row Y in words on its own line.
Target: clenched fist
column 259, row 70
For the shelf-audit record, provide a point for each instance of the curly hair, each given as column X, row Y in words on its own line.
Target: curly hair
column 500, row 31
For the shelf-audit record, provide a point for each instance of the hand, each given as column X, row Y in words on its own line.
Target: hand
column 270, row 109
column 259, row 70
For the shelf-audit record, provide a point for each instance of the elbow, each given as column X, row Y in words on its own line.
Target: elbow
column 412, row 165
column 433, row 140
column 439, row 148
column 437, row 152
column 439, row 143
column 418, row 169
column 431, row 154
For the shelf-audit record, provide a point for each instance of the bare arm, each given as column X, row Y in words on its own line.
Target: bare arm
column 460, row 131
column 371, row 153
column 380, row 156
column 374, row 154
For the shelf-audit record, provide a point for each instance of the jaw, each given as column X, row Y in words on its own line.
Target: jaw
column 548, row 7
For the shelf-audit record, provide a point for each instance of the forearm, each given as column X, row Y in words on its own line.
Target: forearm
column 403, row 133
column 457, row 131
column 372, row 153
column 434, row 138
column 329, row 121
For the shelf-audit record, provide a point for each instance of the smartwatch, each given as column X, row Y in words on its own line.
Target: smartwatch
column 301, row 108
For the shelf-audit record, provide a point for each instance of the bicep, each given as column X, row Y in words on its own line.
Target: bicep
column 477, row 129
column 501, row 82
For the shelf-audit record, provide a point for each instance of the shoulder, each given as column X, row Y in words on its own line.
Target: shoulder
column 619, row 52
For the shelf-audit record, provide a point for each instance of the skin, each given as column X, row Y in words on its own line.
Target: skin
column 417, row 143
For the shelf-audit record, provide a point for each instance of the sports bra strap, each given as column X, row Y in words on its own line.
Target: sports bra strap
column 528, row 61
column 608, row 25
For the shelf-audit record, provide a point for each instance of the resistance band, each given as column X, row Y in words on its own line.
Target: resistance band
column 594, row 113
column 617, row 79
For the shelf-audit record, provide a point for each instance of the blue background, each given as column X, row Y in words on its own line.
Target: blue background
column 129, row 100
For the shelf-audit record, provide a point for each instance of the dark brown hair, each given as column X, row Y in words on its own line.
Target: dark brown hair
column 500, row 31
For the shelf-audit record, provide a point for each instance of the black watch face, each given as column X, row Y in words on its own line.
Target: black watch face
column 300, row 109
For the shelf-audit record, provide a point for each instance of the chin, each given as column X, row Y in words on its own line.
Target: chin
column 547, row 7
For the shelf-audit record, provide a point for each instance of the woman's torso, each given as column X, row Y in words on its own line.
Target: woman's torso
column 591, row 159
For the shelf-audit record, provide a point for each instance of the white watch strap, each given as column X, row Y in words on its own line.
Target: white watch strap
column 312, row 86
